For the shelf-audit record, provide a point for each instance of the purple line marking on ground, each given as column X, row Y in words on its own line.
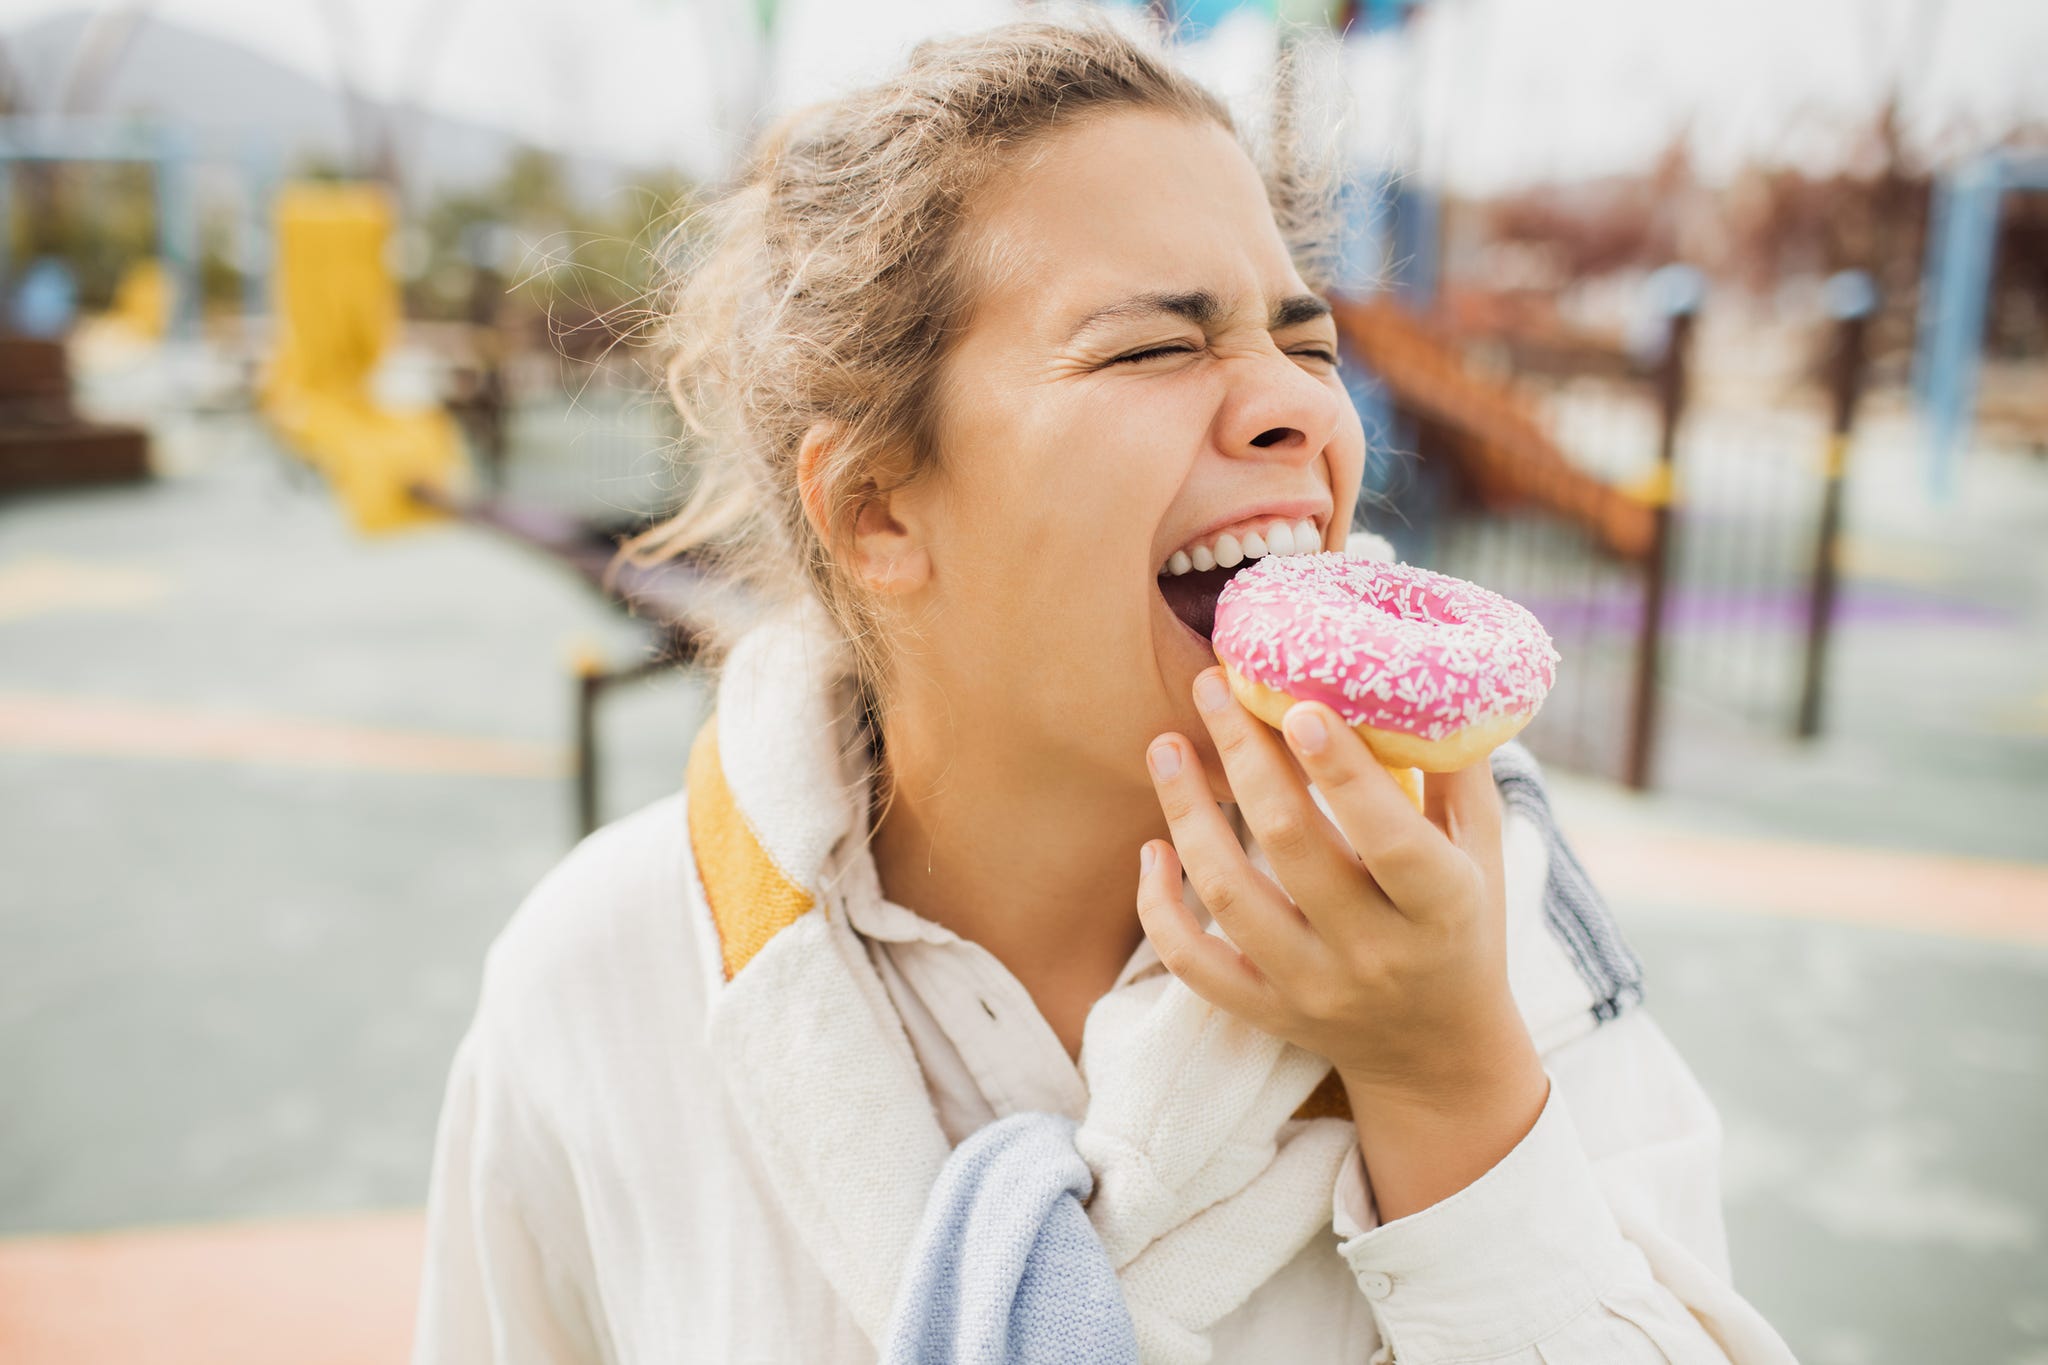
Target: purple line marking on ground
column 1779, row 608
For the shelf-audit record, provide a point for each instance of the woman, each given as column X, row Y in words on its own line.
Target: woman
column 970, row 356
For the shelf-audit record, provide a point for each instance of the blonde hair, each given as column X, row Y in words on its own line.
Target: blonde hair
column 829, row 282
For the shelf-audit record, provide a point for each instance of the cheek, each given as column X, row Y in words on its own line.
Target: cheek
column 1055, row 511
column 1052, row 495
column 1073, row 490
column 1347, row 462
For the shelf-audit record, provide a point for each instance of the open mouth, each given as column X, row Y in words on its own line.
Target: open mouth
column 1192, row 596
column 1194, row 576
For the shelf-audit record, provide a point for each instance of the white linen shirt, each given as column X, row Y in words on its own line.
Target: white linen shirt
column 594, row 1197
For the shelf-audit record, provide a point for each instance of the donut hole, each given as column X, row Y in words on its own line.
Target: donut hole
column 1192, row 596
column 1411, row 603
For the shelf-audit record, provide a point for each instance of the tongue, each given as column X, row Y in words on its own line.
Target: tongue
column 1192, row 596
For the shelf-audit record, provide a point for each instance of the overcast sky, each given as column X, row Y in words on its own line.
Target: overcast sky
column 1491, row 91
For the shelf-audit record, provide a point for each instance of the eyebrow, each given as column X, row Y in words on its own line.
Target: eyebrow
column 1200, row 307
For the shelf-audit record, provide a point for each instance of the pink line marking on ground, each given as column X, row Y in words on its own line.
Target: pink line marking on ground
column 1926, row 892
column 330, row 1291
column 127, row 729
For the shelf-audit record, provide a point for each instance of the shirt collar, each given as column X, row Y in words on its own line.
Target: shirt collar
column 874, row 916
column 850, row 871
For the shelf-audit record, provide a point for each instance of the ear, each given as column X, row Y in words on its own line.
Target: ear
column 812, row 455
column 875, row 535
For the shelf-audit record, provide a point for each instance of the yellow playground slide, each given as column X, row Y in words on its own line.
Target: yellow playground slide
column 337, row 309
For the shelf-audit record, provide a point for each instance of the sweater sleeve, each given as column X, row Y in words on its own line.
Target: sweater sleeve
column 1598, row 1240
column 493, row 1291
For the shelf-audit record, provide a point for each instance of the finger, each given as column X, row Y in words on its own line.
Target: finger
column 1465, row 805
column 1209, row 966
column 1306, row 851
column 1252, row 910
column 1406, row 854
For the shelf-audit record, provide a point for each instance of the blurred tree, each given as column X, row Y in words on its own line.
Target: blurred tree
column 221, row 285
column 533, row 189
column 97, row 217
column 563, row 263
column 2018, row 325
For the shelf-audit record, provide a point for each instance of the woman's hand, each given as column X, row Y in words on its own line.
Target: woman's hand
column 1382, row 947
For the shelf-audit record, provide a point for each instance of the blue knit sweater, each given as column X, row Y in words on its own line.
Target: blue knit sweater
column 1007, row 1269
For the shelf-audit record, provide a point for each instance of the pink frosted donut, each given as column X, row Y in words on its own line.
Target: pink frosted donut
column 1433, row 672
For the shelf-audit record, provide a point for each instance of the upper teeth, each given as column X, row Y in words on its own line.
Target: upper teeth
column 1230, row 549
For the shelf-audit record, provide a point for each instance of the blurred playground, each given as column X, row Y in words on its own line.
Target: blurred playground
column 313, row 658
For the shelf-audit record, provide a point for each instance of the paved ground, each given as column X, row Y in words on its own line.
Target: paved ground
column 1936, row 714
column 271, row 790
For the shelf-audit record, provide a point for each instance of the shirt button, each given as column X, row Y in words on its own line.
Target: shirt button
column 1376, row 1284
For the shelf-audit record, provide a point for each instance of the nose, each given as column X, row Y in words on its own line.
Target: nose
column 1277, row 411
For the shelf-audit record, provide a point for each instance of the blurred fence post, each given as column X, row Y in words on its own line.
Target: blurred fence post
column 1851, row 301
column 593, row 680
column 590, row 683
column 1676, row 292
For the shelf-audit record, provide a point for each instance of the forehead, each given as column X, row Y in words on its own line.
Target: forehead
column 1123, row 204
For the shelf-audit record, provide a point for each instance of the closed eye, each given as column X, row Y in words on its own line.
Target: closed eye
column 1153, row 351
column 1328, row 357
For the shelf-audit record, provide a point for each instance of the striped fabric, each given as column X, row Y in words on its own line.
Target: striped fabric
column 1571, row 907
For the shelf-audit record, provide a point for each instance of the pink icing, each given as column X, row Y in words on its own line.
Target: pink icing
column 1386, row 645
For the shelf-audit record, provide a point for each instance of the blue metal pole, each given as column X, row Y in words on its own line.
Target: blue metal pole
column 1925, row 332
column 177, row 215
column 1361, row 270
column 1964, row 283
column 1415, row 225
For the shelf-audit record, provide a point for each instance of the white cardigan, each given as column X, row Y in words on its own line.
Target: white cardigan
column 596, row 1196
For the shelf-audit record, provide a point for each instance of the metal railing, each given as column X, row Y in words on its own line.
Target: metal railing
column 1730, row 601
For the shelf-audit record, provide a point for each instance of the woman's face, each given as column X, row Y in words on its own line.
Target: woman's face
column 1150, row 376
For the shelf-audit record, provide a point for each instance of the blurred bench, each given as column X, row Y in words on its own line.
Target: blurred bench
column 44, row 443
column 674, row 599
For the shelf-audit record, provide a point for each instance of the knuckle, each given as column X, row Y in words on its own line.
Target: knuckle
column 1289, row 837
column 1338, row 774
column 1222, row 895
column 1372, row 973
column 1178, row 958
column 1231, row 736
column 1404, row 853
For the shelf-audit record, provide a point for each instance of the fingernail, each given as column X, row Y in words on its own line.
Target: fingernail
column 1146, row 857
column 1165, row 759
column 1306, row 729
column 1211, row 692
